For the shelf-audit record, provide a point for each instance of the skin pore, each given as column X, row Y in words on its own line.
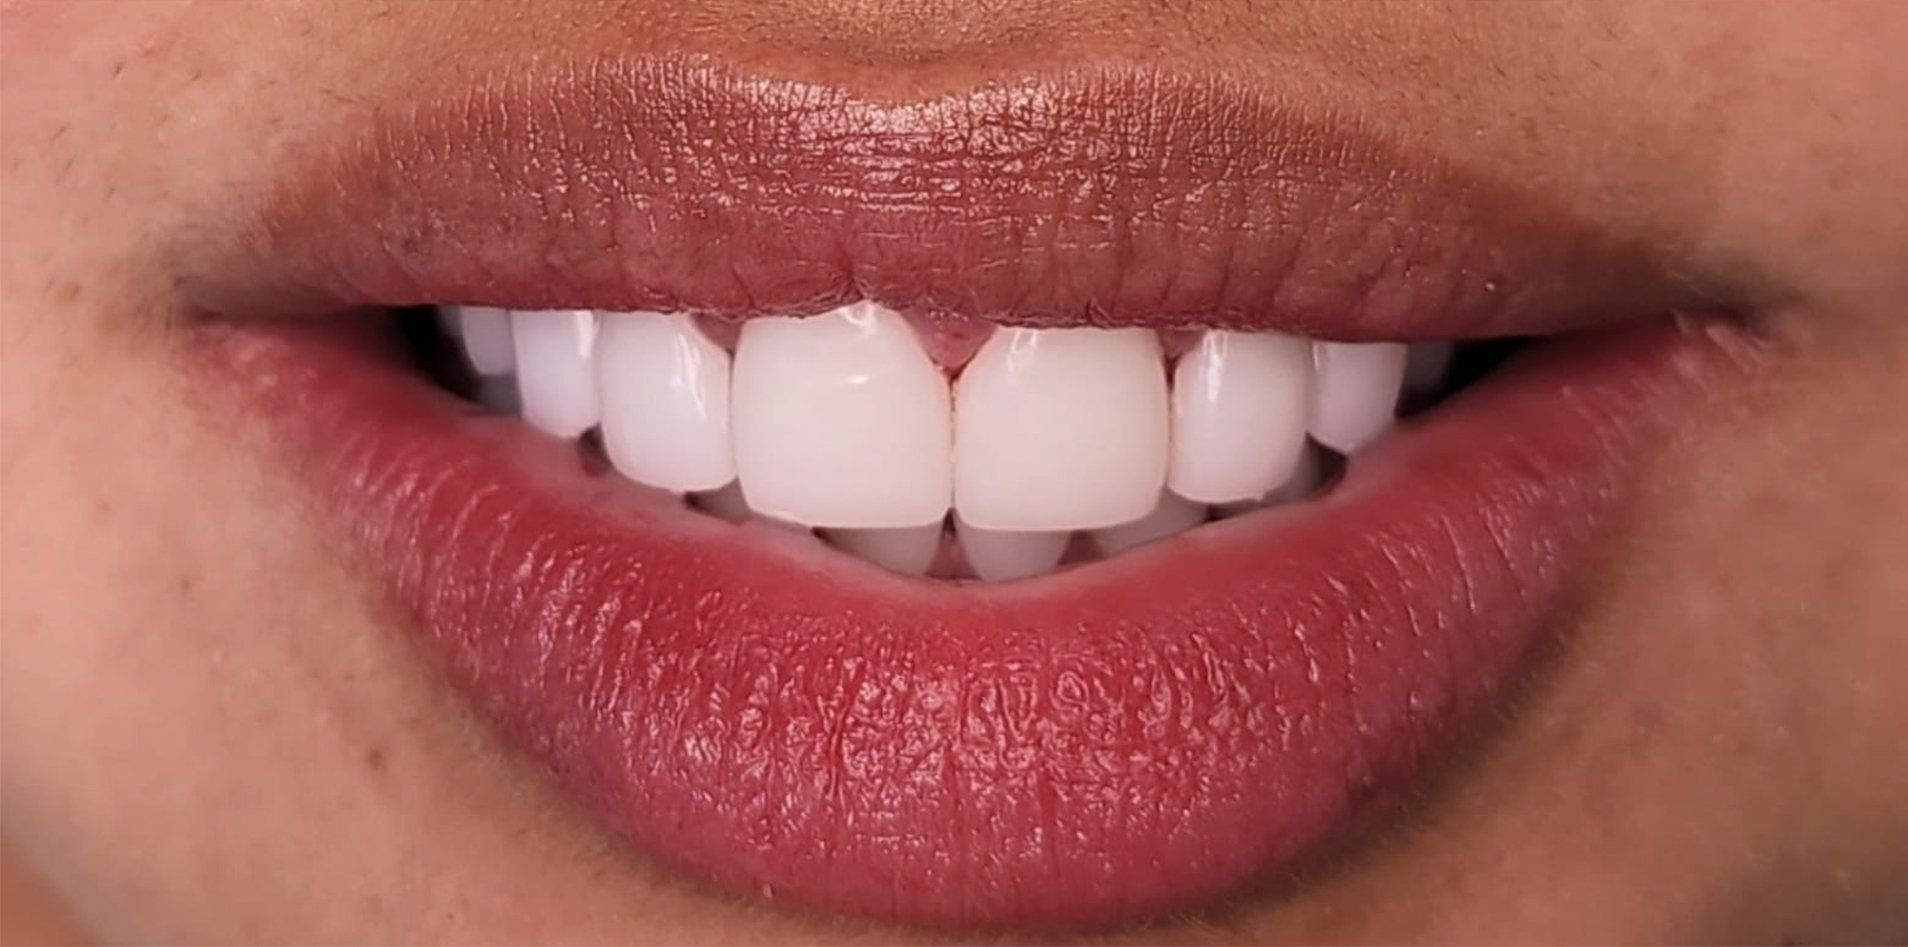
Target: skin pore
column 213, row 732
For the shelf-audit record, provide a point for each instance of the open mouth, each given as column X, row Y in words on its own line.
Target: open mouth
column 1005, row 454
column 988, row 510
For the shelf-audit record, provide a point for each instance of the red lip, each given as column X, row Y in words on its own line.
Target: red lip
column 1139, row 736
column 1133, row 738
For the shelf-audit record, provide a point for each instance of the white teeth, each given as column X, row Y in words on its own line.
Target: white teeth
column 841, row 420
column 555, row 376
column 485, row 334
column 842, row 423
column 728, row 503
column 1174, row 514
column 664, row 390
column 1305, row 478
column 1241, row 403
column 1000, row 555
column 1426, row 364
column 1059, row 429
column 909, row 550
column 1303, row 481
column 1356, row 396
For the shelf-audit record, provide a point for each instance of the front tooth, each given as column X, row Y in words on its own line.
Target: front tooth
column 909, row 550
column 1000, row 555
column 841, row 420
column 485, row 334
column 664, row 390
column 555, row 376
column 1304, row 479
column 1059, row 429
column 1426, row 364
column 1241, row 403
column 1174, row 514
column 1356, row 394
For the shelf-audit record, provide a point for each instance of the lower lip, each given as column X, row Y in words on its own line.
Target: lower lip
column 1135, row 737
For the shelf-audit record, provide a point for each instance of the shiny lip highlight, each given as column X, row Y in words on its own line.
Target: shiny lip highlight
column 1141, row 736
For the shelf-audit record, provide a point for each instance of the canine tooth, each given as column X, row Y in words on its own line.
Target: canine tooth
column 909, row 550
column 841, row 420
column 484, row 333
column 1356, row 397
column 1241, row 403
column 1059, row 429
column 1426, row 364
column 1000, row 555
column 664, row 392
column 1174, row 514
column 555, row 375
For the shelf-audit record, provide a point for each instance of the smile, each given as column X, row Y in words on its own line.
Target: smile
column 1051, row 503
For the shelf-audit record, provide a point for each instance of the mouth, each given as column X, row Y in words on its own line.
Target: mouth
column 986, row 509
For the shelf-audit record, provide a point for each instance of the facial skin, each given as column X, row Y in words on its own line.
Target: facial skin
column 214, row 732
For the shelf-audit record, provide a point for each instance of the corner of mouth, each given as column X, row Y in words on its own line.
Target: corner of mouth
column 1143, row 736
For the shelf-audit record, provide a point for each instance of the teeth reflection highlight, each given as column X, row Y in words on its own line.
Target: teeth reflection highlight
column 1001, row 555
column 841, row 420
column 1059, row 429
column 664, row 391
column 1241, row 403
column 1356, row 393
column 556, row 377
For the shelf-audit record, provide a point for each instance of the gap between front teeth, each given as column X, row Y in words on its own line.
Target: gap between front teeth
column 842, row 422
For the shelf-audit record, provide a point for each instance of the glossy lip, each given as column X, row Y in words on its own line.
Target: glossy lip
column 1136, row 737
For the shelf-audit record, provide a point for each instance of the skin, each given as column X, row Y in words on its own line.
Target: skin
column 213, row 732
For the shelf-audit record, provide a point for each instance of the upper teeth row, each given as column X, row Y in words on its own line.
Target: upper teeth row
column 842, row 420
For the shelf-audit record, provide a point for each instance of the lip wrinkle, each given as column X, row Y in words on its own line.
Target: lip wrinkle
column 1104, row 195
column 1141, row 736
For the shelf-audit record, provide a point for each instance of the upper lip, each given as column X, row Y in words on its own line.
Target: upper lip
column 1102, row 196
column 1136, row 739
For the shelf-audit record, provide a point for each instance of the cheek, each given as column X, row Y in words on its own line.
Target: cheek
column 1742, row 663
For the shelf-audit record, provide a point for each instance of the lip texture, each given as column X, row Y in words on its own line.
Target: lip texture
column 1144, row 735
column 1139, row 736
column 1102, row 195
